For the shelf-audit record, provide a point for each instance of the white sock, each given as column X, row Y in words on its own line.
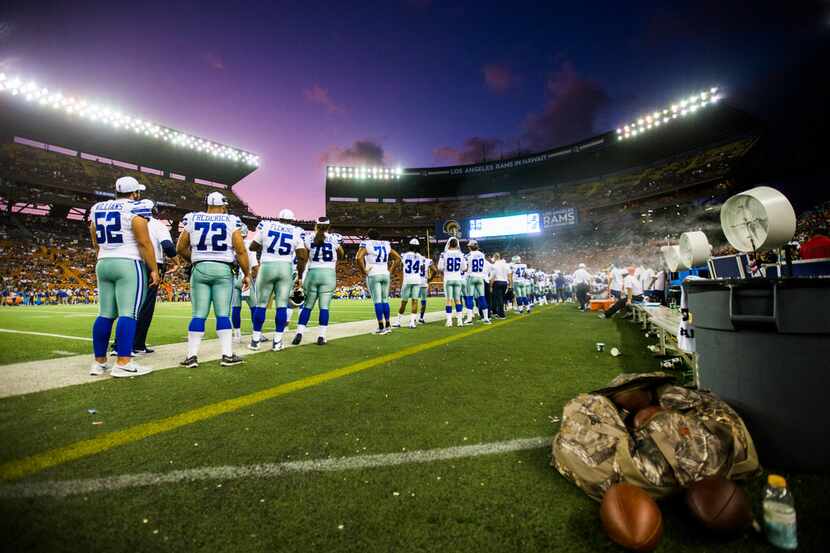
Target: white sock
column 256, row 335
column 460, row 317
column 289, row 312
column 449, row 318
column 237, row 333
column 226, row 341
column 323, row 330
column 300, row 329
column 194, row 340
column 277, row 337
column 399, row 319
column 413, row 319
column 486, row 313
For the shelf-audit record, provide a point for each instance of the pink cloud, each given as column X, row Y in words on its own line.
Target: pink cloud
column 498, row 77
column 361, row 152
column 474, row 150
column 319, row 95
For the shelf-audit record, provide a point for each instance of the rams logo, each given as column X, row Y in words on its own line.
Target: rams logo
column 452, row 228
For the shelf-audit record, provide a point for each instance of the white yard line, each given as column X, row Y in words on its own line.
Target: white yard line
column 47, row 374
column 63, row 488
column 10, row 331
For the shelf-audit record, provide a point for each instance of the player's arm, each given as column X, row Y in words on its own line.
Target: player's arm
column 183, row 246
column 94, row 236
column 302, row 261
column 242, row 257
column 359, row 259
column 396, row 260
column 441, row 263
column 141, row 231
column 255, row 246
column 341, row 253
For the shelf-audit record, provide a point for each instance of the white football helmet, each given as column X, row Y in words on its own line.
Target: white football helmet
column 286, row 215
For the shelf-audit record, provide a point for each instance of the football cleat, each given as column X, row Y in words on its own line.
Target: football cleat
column 143, row 351
column 98, row 369
column 231, row 360
column 254, row 345
column 380, row 331
column 297, row 339
column 449, row 322
column 413, row 325
column 276, row 346
column 422, row 321
column 396, row 324
column 487, row 321
column 191, row 362
column 321, row 341
column 129, row 370
column 386, row 330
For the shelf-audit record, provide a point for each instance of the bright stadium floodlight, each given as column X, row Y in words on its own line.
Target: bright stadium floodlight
column 112, row 118
column 683, row 107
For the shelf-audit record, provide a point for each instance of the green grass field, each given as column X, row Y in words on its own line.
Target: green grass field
column 169, row 326
column 489, row 384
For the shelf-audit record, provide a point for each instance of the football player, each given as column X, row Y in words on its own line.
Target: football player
column 126, row 266
column 452, row 263
column 411, row 286
column 281, row 242
column 427, row 272
column 249, row 295
column 477, row 271
column 519, row 282
column 211, row 241
column 373, row 261
column 320, row 279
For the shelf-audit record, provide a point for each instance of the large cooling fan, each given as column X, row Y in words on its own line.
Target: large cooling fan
column 671, row 256
column 694, row 248
column 759, row 219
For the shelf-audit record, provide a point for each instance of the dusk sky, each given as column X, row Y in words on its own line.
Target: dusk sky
column 398, row 82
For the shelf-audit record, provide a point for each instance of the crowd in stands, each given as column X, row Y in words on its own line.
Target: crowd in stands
column 683, row 171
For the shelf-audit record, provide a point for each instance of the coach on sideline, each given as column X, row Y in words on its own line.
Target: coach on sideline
column 582, row 281
column 501, row 279
column 165, row 250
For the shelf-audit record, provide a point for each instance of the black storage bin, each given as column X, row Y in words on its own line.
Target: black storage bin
column 764, row 347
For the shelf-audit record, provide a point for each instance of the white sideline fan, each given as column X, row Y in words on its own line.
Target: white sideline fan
column 671, row 256
column 694, row 248
column 759, row 219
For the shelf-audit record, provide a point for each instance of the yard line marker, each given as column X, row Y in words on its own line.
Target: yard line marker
column 64, row 488
column 13, row 470
column 45, row 334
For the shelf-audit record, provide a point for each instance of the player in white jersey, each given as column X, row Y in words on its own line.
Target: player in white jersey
column 519, row 283
column 452, row 263
column 478, row 271
column 121, row 238
column 212, row 241
column 373, row 261
column 281, row 244
column 239, row 295
column 324, row 250
column 412, row 262
column 427, row 272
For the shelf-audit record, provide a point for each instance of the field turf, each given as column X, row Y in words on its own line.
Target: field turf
column 488, row 384
column 169, row 326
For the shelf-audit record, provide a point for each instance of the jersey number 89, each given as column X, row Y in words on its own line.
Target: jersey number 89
column 478, row 265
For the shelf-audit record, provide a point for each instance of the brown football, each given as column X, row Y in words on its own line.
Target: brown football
column 632, row 400
column 643, row 415
column 631, row 518
column 719, row 504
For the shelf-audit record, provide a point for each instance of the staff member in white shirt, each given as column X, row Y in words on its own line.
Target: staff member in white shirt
column 165, row 251
column 617, row 274
column 501, row 278
column 633, row 292
column 581, row 282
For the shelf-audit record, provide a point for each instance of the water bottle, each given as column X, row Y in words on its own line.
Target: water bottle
column 779, row 513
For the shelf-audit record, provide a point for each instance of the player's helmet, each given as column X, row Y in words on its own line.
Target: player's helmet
column 244, row 230
column 286, row 215
column 297, row 298
column 516, row 259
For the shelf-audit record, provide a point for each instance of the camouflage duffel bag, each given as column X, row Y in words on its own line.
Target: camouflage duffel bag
column 695, row 437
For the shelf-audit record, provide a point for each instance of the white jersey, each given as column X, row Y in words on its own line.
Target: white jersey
column 453, row 264
column 211, row 236
column 323, row 256
column 158, row 233
column 113, row 222
column 376, row 259
column 617, row 276
column 519, row 273
column 477, row 265
column 279, row 240
column 252, row 260
column 412, row 262
column 426, row 263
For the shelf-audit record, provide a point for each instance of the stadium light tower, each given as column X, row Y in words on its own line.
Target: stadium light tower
column 661, row 117
column 31, row 92
column 363, row 172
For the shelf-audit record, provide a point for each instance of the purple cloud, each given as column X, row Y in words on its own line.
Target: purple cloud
column 361, row 152
column 214, row 61
column 474, row 150
column 319, row 95
column 499, row 78
column 569, row 113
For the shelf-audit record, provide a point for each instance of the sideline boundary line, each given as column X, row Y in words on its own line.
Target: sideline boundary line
column 10, row 331
column 64, row 488
column 19, row 468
